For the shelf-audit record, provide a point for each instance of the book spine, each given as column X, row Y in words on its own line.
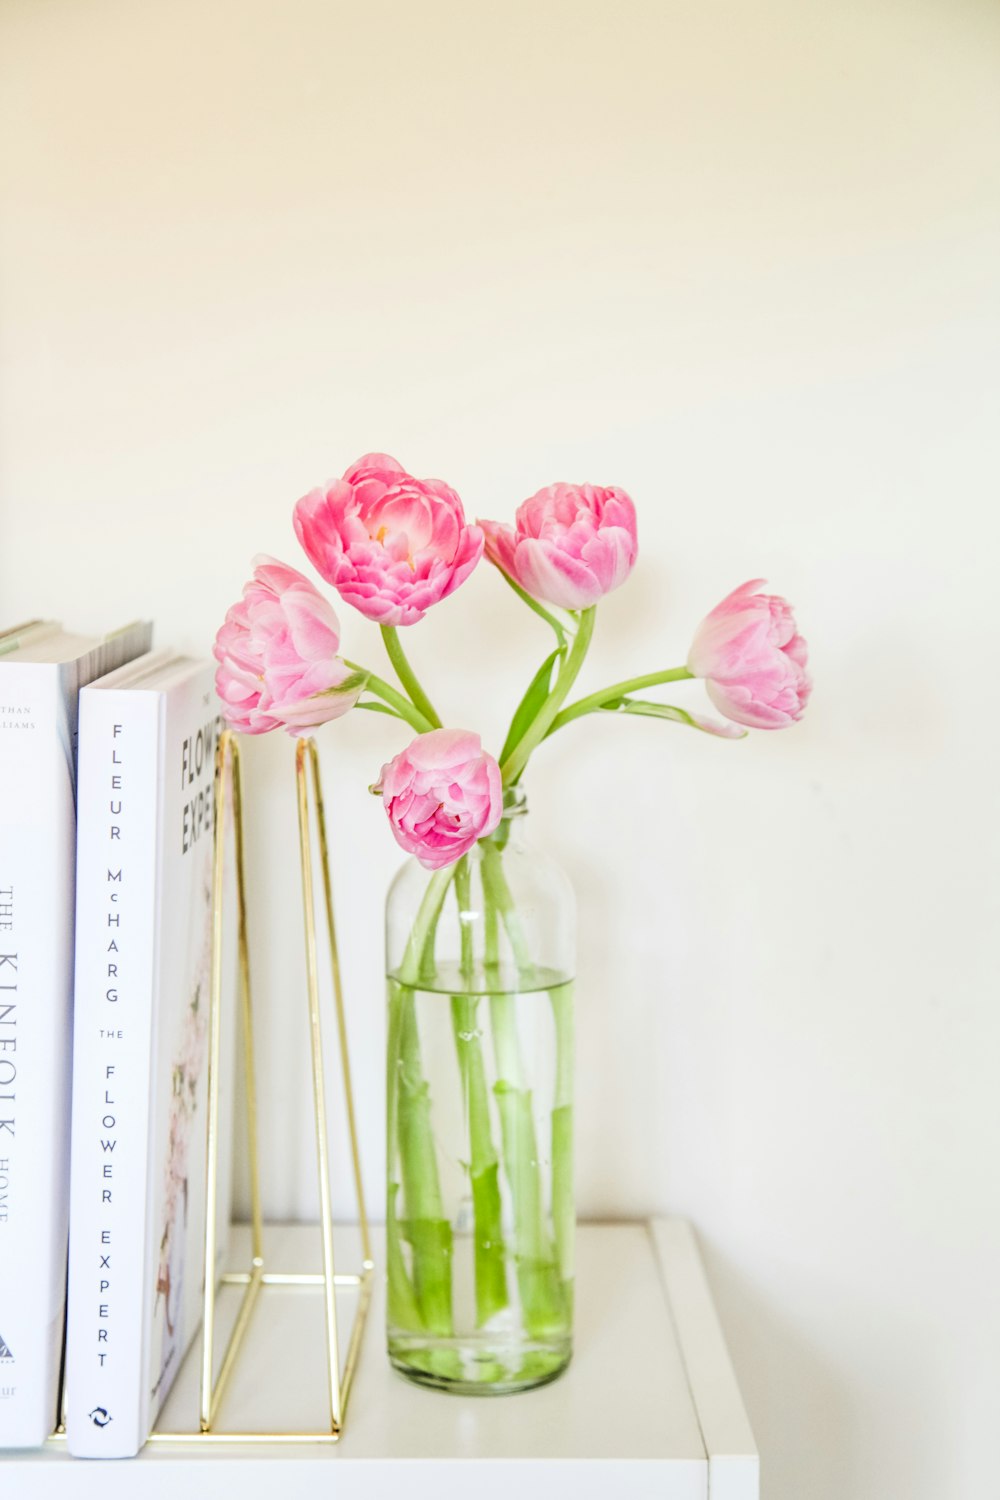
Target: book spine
column 37, row 825
column 106, row 1374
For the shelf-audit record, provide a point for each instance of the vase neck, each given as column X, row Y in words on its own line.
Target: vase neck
column 511, row 824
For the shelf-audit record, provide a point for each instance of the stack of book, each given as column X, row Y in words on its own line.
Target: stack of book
column 107, row 754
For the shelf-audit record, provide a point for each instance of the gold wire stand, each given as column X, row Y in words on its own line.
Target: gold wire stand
column 212, row 1387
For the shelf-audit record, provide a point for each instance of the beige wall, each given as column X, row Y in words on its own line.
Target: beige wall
column 743, row 260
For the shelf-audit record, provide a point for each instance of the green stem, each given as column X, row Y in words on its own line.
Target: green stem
column 617, row 690
column 563, row 1212
column 542, row 1302
column 491, row 940
column 425, row 923
column 408, row 677
column 463, row 896
column 403, row 707
column 410, row 1144
column 533, row 604
column 403, row 1309
column 495, row 887
column 490, row 1270
column 380, row 708
column 426, row 1227
column 568, row 672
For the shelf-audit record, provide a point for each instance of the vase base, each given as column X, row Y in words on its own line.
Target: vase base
column 471, row 1370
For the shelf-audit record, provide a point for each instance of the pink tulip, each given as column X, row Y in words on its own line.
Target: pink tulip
column 752, row 659
column 571, row 545
column 277, row 655
column 390, row 544
column 442, row 793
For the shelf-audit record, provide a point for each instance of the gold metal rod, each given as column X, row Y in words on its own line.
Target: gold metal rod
column 212, row 1130
column 247, row 1304
column 338, row 995
column 354, row 1346
column 252, row 1281
column 246, row 1008
column 244, row 1437
column 319, row 1095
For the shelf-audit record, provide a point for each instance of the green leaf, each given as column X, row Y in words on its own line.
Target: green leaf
column 529, row 706
column 649, row 710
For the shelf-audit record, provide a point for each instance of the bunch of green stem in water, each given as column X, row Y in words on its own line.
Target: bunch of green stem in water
column 540, row 1245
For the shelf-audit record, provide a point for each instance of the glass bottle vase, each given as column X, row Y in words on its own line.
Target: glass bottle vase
column 480, row 1205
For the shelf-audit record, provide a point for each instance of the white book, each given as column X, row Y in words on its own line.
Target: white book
column 41, row 671
column 148, row 737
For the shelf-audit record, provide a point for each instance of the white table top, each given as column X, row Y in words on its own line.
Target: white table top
column 648, row 1406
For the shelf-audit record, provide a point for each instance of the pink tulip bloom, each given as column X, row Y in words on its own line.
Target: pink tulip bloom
column 571, row 545
column 442, row 793
column 752, row 659
column 277, row 655
column 390, row 544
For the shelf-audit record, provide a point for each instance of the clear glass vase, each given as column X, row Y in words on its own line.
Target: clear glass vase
column 480, row 1207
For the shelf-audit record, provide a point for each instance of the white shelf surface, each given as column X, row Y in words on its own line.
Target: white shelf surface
column 649, row 1406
